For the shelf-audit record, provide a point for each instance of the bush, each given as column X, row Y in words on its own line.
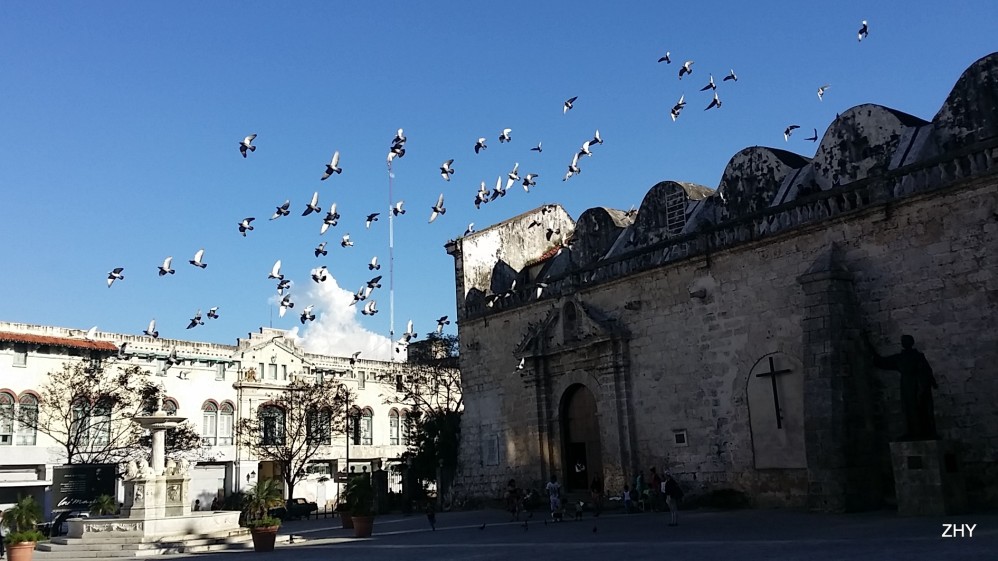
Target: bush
column 104, row 504
column 360, row 495
column 21, row 520
column 23, row 537
column 265, row 522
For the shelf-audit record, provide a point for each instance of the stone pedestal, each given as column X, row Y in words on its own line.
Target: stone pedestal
column 927, row 478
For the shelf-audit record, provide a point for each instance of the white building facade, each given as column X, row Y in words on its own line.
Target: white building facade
column 213, row 386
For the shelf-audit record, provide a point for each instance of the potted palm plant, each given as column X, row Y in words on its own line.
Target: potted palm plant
column 343, row 509
column 360, row 497
column 262, row 497
column 20, row 521
column 103, row 506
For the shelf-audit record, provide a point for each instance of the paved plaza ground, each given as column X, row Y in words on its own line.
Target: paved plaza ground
column 701, row 536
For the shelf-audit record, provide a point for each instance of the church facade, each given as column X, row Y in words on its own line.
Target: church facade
column 718, row 333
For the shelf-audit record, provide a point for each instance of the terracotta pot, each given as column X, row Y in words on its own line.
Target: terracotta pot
column 23, row 551
column 346, row 520
column 264, row 538
column 362, row 526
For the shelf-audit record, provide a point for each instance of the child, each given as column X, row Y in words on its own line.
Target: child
column 578, row 509
column 627, row 499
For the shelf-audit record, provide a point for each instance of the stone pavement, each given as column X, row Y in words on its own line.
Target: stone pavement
column 702, row 536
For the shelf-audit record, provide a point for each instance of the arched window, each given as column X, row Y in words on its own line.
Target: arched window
column 367, row 427
column 6, row 419
column 393, row 427
column 170, row 406
column 271, row 425
column 319, row 425
column 226, row 423
column 354, row 428
column 405, row 428
column 27, row 420
column 209, row 427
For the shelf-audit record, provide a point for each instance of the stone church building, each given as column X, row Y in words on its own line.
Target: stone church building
column 717, row 333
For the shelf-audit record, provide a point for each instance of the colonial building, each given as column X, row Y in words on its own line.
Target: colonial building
column 718, row 333
column 213, row 386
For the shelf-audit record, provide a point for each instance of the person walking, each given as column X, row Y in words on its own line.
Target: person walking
column 553, row 489
column 596, row 492
column 673, row 494
column 3, row 533
column 431, row 515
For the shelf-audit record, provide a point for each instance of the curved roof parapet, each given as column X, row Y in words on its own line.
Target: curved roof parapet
column 751, row 181
column 970, row 112
column 665, row 208
column 596, row 230
column 861, row 143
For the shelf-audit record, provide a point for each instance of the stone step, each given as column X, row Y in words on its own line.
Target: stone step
column 93, row 549
column 132, row 540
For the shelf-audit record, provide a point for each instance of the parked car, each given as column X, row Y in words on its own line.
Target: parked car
column 294, row 508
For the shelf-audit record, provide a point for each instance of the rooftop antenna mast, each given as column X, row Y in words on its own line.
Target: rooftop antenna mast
column 391, row 257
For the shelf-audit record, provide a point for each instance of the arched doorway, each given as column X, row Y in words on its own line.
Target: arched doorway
column 580, row 438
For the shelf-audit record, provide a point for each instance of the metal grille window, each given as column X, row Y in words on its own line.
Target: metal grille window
column 272, row 423
column 6, row 419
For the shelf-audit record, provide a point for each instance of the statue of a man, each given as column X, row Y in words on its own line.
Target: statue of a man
column 917, row 383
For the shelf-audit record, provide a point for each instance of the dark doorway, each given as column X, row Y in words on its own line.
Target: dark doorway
column 581, row 438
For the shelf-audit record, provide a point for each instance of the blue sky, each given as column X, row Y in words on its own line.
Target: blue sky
column 121, row 121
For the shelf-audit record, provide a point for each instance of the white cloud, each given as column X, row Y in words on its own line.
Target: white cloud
column 336, row 329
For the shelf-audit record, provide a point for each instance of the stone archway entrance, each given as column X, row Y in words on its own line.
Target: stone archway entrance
column 580, row 438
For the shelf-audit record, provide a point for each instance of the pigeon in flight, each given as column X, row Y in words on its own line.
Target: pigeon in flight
column 573, row 168
column 687, row 68
column 197, row 262
column 480, row 145
column 710, row 85
column 285, row 304
column 370, row 308
column 789, row 131
column 247, row 144
column 115, row 274
column 864, row 31
column 470, row 229
column 410, row 333
column 313, row 205
column 537, row 148
column 359, row 295
column 245, row 225
column 282, row 286
column 482, row 196
column 731, row 76
column 504, row 136
column 552, row 232
column 373, row 217
column 213, row 312
column 151, row 330
column 441, row 322
column 321, row 250
column 333, row 166
column 332, row 218
column 446, row 170
column 345, row 242
column 667, row 58
column 499, row 190
column 821, row 92
column 438, row 208
column 568, row 104
column 374, row 283
column 597, row 139
column 678, row 107
column 813, row 137
column 716, row 102
column 196, row 320
column 307, row 314
column 282, row 210
column 353, row 357
column 275, row 271
column 584, row 151
column 320, row 274
column 165, row 269
column 521, row 364
column 528, row 181
column 397, row 209
column 374, row 265
column 540, row 289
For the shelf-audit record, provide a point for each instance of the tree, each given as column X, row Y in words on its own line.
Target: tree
column 293, row 427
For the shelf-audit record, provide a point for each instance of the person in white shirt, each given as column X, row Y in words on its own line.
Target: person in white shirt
column 553, row 489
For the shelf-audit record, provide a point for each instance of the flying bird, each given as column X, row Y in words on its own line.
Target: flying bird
column 165, row 269
column 667, row 58
column 115, row 274
column 213, row 312
column 275, row 271
column 332, row 218
column 521, row 364
column 512, row 177
column 353, row 357
column 197, row 262
column 196, row 320
column 373, row 265
column 584, row 151
column 438, row 208
column 480, row 145
column 359, row 295
column 597, row 139
column 247, row 144
column 528, row 181
column 470, row 229
column 446, row 170
column 678, row 107
column 374, row 283
column 687, row 68
column 552, row 232
column 482, row 196
column 504, row 136
column 710, row 84
column 282, row 286
column 370, row 308
column 410, row 333
column 573, row 168
column 320, row 274
column 864, row 31
column 345, row 242
column 307, row 314
column 821, row 92
column 245, row 225
column 373, row 217
column 789, row 131
column 441, row 322
column 540, row 289
column 568, row 104
column 499, row 190
column 399, row 138
column 537, row 148
column 731, row 76
column 151, row 330
column 716, row 102
column 397, row 209
column 282, row 210
column 313, row 205
column 321, row 250
column 285, row 304
column 813, row 137
column 333, row 166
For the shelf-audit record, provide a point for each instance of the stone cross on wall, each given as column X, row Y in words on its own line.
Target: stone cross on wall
column 773, row 373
